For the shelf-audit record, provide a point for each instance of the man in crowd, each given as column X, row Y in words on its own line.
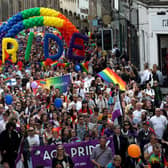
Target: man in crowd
column 102, row 154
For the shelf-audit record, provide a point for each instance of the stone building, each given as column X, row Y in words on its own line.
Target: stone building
column 76, row 11
column 9, row 8
column 153, row 33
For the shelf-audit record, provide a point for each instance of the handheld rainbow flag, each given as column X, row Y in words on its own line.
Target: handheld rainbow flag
column 7, row 80
column 43, row 63
column 110, row 76
column 65, row 64
column 84, row 66
column 54, row 64
column 60, row 82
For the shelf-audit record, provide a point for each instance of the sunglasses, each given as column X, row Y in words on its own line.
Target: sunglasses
column 60, row 149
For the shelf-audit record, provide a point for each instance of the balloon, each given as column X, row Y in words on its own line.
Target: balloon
column 12, row 51
column 43, row 17
column 58, row 102
column 46, row 49
column 77, row 42
column 20, row 65
column 34, row 85
column 29, row 44
column 8, row 99
column 77, row 68
column 48, row 61
column 134, row 151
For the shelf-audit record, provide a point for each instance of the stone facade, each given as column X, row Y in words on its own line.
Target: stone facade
column 76, row 11
column 9, row 8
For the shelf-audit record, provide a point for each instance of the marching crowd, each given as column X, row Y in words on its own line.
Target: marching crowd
column 86, row 112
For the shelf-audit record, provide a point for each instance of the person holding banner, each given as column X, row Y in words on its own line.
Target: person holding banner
column 62, row 159
column 101, row 154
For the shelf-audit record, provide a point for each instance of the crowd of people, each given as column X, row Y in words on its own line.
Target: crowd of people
column 86, row 112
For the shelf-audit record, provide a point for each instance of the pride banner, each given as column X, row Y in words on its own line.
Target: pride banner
column 60, row 82
column 80, row 153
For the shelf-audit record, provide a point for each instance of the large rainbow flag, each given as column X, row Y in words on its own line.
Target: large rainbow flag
column 60, row 82
column 110, row 76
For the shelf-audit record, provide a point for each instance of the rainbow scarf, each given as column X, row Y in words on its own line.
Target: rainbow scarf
column 110, row 76
column 84, row 66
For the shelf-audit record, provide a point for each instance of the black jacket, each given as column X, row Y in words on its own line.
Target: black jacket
column 123, row 146
column 9, row 142
column 67, row 159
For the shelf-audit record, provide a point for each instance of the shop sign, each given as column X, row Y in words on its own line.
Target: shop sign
column 159, row 23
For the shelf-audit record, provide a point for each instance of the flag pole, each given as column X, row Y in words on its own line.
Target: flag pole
column 121, row 120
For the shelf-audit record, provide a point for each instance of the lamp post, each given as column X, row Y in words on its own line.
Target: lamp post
column 130, row 30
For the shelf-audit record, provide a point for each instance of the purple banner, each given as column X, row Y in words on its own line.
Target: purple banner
column 80, row 153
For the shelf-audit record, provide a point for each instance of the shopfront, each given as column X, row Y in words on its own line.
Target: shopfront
column 163, row 53
column 159, row 28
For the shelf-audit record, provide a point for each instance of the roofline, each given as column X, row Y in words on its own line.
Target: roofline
column 153, row 4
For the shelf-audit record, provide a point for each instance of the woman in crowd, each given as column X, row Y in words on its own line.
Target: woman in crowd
column 62, row 159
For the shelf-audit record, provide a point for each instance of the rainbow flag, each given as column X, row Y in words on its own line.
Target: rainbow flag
column 43, row 82
column 43, row 63
column 60, row 82
column 54, row 64
column 7, row 80
column 110, row 76
column 65, row 64
column 84, row 66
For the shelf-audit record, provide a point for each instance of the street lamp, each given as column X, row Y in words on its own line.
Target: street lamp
column 130, row 28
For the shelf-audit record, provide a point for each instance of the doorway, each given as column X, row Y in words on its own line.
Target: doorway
column 163, row 53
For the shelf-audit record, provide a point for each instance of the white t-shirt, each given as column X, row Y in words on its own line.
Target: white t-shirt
column 148, row 148
column 145, row 76
column 1, row 90
column 150, row 92
column 87, row 83
column 33, row 141
column 81, row 92
column 2, row 125
column 78, row 105
column 159, row 125
column 137, row 116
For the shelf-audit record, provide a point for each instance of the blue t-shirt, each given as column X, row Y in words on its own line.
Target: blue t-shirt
column 110, row 165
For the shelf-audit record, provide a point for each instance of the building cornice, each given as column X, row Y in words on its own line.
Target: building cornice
column 148, row 4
